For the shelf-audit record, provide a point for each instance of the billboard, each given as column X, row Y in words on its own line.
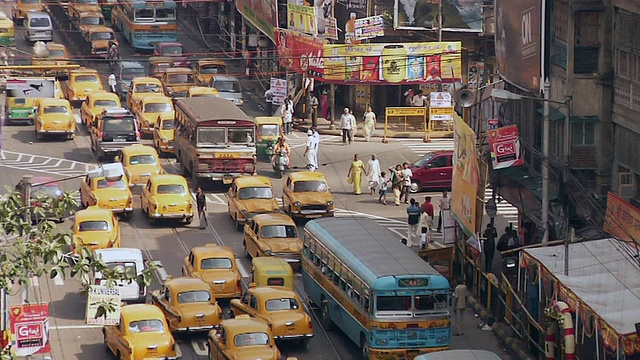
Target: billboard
column 302, row 19
column 31, row 87
column 457, row 15
column 517, row 42
column 30, row 329
column 262, row 14
column 393, row 63
column 504, row 143
column 369, row 27
column 622, row 220
column 346, row 12
column 300, row 53
column 466, row 177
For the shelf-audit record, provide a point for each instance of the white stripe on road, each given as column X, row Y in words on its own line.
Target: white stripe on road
column 58, row 280
column 199, row 347
column 35, row 282
column 243, row 269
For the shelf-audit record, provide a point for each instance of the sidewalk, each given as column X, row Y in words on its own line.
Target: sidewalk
column 325, row 128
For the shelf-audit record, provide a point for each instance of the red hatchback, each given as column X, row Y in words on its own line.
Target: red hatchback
column 433, row 172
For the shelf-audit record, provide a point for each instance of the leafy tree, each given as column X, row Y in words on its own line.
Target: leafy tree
column 33, row 245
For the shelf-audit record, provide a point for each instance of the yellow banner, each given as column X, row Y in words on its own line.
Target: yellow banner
column 441, row 111
column 466, row 176
column 302, row 19
column 405, row 111
column 622, row 220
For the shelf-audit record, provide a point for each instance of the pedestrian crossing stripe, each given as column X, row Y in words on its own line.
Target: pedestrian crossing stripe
column 422, row 148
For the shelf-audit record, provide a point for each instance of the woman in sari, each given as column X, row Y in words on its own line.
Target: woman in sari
column 355, row 174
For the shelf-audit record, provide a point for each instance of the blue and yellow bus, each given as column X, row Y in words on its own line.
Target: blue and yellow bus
column 375, row 289
column 146, row 22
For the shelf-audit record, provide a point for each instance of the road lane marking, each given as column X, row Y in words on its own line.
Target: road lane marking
column 35, row 282
column 178, row 351
column 199, row 347
column 243, row 270
column 221, row 200
column 74, row 327
column 58, row 280
column 78, row 119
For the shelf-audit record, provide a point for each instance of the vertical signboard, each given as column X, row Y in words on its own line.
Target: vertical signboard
column 101, row 295
column 517, row 38
column 279, row 89
column 30, row 326
column 504, row 143
column 466, row 176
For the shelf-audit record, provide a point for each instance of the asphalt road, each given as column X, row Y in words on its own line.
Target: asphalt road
column 72, row 339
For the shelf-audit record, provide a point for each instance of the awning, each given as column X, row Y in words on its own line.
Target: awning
column 587, row 5
column 554, row 114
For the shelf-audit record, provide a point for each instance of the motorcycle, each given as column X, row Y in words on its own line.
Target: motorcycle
column 279, row 163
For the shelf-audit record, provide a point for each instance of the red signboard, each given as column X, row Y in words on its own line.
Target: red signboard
column 301, row 53
column 505, row 147
column 30, row 329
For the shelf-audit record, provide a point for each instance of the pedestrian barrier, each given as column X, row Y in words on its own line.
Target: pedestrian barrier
column 406, row 121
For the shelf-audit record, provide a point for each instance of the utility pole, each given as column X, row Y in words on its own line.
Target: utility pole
column 545, row 163
column 27, row 182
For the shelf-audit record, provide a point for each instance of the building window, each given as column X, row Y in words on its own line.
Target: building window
column 560, row 30
column 622, row 64
column 587, row 42
column 583, row 133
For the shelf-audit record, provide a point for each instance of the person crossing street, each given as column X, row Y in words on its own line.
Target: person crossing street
column 311, row 151
column 201, row 204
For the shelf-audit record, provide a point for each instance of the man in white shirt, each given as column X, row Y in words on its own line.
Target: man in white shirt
column 311, row 151
column 113, row 83
column 347, row 123
column 418, row 99
column 445, row 205
column 406, row 184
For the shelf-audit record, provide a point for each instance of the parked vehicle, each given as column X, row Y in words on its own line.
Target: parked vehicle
column 54, row 118
column 127, row 261
column 39, row 27
column 229, row 88
column 114, row 129
column 433, row 172
column 174, row 50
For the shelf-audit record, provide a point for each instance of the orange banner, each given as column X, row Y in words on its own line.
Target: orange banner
column 622, row 220
column 466, row 176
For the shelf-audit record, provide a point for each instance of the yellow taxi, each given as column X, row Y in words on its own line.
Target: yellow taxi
column 81, row 83
column 164, row 134
column 95, row 103
column 177, row 82
column 166, row 196
column 89, row 19
column 188, row 305
column 306, row 194
column 20, row 9
column 54, row 117
column 271, row 271
column 100, row 37
column 142, row 333
column 108, row 188
column 148, row 110
column 279, row 307
column 203, row 91
column 58, row 55
column 95, row 228
column 207, row 68
column 243, row 338
column 273, row 235
column 140, row 162
column 141, row 87
column 217, row 266
column 249, row 196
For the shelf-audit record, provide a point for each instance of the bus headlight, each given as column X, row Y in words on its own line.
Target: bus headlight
column 382, row 342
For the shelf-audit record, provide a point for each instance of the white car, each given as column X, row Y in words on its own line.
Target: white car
column 129, row 261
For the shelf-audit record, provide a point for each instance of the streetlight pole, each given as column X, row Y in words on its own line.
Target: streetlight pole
column 545, row 163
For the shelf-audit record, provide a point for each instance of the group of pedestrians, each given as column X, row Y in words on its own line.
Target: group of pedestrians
column 420, row 220
column 349, row 125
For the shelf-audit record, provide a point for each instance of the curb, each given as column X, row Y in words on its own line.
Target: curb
column 501, row 331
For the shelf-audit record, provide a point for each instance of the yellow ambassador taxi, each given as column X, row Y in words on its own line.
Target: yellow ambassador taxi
column 95, row 228
column 217, row 266
column 203, row 91
column 148, row 110
column 141, row 87
column 273, row 235
column 95, row 103
column 82, row 82
column 188, row 305
column 142, row 333
column 54, row 118
column 306, row 194
column 20, row 9
column 279, row 307
column 164, row 134
column 108, row 188
column 166, row 196
column 140, row 162
column 242, row 338
column 249, row 196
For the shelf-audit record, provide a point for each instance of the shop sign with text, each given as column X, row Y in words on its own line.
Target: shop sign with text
column 30, row 326
column 262, row 14
column 466, row 176
column 302, row 19
column 504, row 143
column 369, row 27
column 279, row 89
column 301, row 53
column 622, row 220
column 100, row 295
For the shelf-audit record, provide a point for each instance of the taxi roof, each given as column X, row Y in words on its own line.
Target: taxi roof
column 93, row 213
column 160, row 179
column 53, row 101
column 141, row 312
column 242, row 325
column 186, row 284
column 212, row 250
column 268, row 120
column 271, row 262
column 159, row 98
column 53, row 45
column 139, row 149
column 307, row 175
column 273, row 219
column 153, row 59
column 252, row 181
column 99, row 95
column 90, row 13
column 83, row 70
column 203, row 90
column 119, row 254
column 211, row 61
column 179, row 70
column 272, row 292
column 146, row 79
column 101, row 28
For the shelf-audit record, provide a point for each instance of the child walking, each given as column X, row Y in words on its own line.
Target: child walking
column 384, row 180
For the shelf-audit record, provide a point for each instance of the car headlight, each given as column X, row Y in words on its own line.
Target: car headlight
column 329, row 203
column 297, row 204
column 240, row 102
column 244, row 212
column 164, row 140
column 276, row 210
column 267, row 252
column 382, row 342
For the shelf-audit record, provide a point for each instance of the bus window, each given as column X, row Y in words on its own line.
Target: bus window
column 393, row 303
column 211, row 136
column 336, row 278
column 241, row 136
column 143, row 15
column 367, row 303
column 165, row 14
column 431, row 302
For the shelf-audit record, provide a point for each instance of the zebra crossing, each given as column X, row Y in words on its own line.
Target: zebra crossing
column 43, row 164
column 421, row 148
column 505, row 210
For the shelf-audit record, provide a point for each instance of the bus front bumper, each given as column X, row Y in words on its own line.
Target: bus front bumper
column 401, row 354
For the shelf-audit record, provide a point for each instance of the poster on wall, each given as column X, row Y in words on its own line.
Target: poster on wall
column 457, row 15
column 346, row 12
column 466, row 177
column 476, row 74
column 302, row 19
column 262, row 14
column 504, row 143
column 369, row 27
column 303, row 54
column 30, row 329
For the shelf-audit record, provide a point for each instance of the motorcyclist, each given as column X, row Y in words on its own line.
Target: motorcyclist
column 114, row 51
column 281, row 145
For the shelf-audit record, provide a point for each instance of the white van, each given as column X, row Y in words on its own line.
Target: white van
column 129, row 261
column 39, row 27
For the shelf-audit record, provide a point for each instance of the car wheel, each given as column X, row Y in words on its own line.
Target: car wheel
column 415, row 186
column 239, row 226
column 325, row 316
column 188, row 220
column 104, row 342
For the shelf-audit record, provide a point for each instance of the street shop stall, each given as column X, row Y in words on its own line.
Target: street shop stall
column 600, row 295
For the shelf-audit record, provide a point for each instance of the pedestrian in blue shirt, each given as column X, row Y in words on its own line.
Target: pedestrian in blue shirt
column 413, row 219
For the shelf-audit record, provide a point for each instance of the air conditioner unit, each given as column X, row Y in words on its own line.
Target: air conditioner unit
column 626, row 185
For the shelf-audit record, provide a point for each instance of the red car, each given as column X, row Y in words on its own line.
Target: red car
column 50, row 189
column 433, row 172
column 174, row 50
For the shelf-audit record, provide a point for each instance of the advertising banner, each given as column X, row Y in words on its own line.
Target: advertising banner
column 517, row 39
column 466, row 176
column 399, row 63
column 346, row 12
column 504, row 143
column 279, row 90
column 30, row 326
column 330, row 28
column 301, row 53
column 369, row 27
column 302, row 19
column 457, row 15
column 622, row 220
column 262, row 14
column 99, row 295
column 476, row 74
column 31, row 87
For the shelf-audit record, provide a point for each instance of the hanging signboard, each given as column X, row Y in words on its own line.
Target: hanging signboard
column 369, row 27
column 302, row 19
column 279, row 89
column 30, row 326
column 504, row 143
column 97, row 296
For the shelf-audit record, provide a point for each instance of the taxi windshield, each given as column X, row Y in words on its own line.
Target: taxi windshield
column 147, row 88
column 282, row 304
column 206, row 95
column 172, row 50
column 170, row 189
column 269, row 130
column 129, row 74
column 104, row 184
column 157, row 107
column 255, row 193
column 168, row 124
column 181, row 79
column 142, row 160
column 102, row 36
column 57, row 53
column 123, row 267
column 93, row 225
column 146, row 326
column 51, row 190
column 105, row 103
column 56, row 110
column 86, row 78
column 215, row 263
column 211, row 69
column 279, row 231
column 92, row 20
column 310, row 186
column 30, row 2
column 251, row 339
column 193, row 297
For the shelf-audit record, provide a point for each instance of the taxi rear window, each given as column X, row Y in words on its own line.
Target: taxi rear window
column 93, row 225
column 216, row 263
